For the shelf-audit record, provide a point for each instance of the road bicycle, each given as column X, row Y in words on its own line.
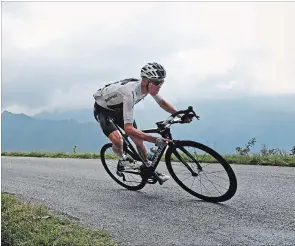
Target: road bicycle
column 202, row 172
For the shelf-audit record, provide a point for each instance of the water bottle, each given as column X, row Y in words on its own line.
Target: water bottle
column 149, row 156
column 153, row 150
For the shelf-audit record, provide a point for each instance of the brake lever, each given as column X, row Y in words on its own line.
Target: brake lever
column 197, row 116
column 190, row 109
column 185, row 112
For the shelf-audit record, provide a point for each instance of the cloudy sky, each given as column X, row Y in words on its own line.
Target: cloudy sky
column 56, row 54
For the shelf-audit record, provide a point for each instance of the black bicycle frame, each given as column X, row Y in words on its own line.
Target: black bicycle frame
column 165, row 133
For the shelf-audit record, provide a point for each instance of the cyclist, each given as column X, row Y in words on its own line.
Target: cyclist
column 116, row 101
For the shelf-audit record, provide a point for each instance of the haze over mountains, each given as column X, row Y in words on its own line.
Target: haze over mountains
column 224, row 125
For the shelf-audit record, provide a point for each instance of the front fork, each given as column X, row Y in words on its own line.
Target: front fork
column 174, row 151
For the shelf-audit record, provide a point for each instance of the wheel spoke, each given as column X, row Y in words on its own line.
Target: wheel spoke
column 186, row 178
column 203, row 156
column 206, row 165
column 213, row 184
column 200, row 184
column 204, row 185
column 216, row 171
column 193, row 182
column 218, row 176
column 216, row 180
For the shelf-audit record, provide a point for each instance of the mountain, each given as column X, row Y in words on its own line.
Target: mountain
column 234, row 106
column 24, row 133
column 224, row 125
column 80, row 115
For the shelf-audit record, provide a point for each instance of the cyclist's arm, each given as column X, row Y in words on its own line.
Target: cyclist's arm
column 131, row 131
column 164, row 104
column 128, row 121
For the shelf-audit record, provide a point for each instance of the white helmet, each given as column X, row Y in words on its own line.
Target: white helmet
column 153, row 71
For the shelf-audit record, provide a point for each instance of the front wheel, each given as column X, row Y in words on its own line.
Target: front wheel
column 201, row 171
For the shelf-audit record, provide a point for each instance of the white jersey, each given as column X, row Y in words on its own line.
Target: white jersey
column 121, row 95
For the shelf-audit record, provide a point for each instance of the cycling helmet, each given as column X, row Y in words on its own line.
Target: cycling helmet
column 153, row 71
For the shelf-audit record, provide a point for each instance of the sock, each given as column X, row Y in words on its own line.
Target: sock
column 119, row 153
column 123, row 157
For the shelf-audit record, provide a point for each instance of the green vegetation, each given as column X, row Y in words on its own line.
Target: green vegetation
column 79, row 155
column 255, row 159
column 29, row 224
column 274, row 157
column 264, row 157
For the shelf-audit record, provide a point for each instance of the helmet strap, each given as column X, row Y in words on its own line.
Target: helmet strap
column 147, row 86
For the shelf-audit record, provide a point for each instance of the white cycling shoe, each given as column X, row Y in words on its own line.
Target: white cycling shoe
column 163, row 177
column 127, row 163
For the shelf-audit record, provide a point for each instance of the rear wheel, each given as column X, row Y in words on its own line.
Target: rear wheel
column 130, row 179
column 201, row 171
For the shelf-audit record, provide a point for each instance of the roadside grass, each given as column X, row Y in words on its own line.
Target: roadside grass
column 24, row 223
column 250, row 159
column 79, row 155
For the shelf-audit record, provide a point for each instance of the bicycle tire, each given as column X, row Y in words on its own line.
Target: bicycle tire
column 231, row 175
column 104, row 162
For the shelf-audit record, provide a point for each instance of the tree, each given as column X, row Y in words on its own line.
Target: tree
column 245, row 151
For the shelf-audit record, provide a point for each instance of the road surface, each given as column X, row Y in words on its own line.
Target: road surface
column 262, row 212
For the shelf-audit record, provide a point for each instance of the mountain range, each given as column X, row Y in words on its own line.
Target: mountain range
column 224, row 125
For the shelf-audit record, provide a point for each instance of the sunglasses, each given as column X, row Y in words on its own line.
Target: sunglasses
column 157, row 82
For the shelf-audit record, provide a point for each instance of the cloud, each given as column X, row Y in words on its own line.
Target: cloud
column 56, row 54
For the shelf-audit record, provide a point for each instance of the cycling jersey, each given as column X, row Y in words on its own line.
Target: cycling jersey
column 122, row 95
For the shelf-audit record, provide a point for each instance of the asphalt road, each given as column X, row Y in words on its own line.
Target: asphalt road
column 261, row 213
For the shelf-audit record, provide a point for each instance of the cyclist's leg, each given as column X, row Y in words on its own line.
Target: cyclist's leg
column 142, row 150
column 109, row 129
column 138, row 142
column 116, row 139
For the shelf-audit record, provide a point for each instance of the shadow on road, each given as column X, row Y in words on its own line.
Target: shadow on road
column 134, row 196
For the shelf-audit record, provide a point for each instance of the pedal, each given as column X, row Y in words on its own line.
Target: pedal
column 157, row 178
column 120, row 168
column 154, row 179
column 120, row 174
column 151, row 180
